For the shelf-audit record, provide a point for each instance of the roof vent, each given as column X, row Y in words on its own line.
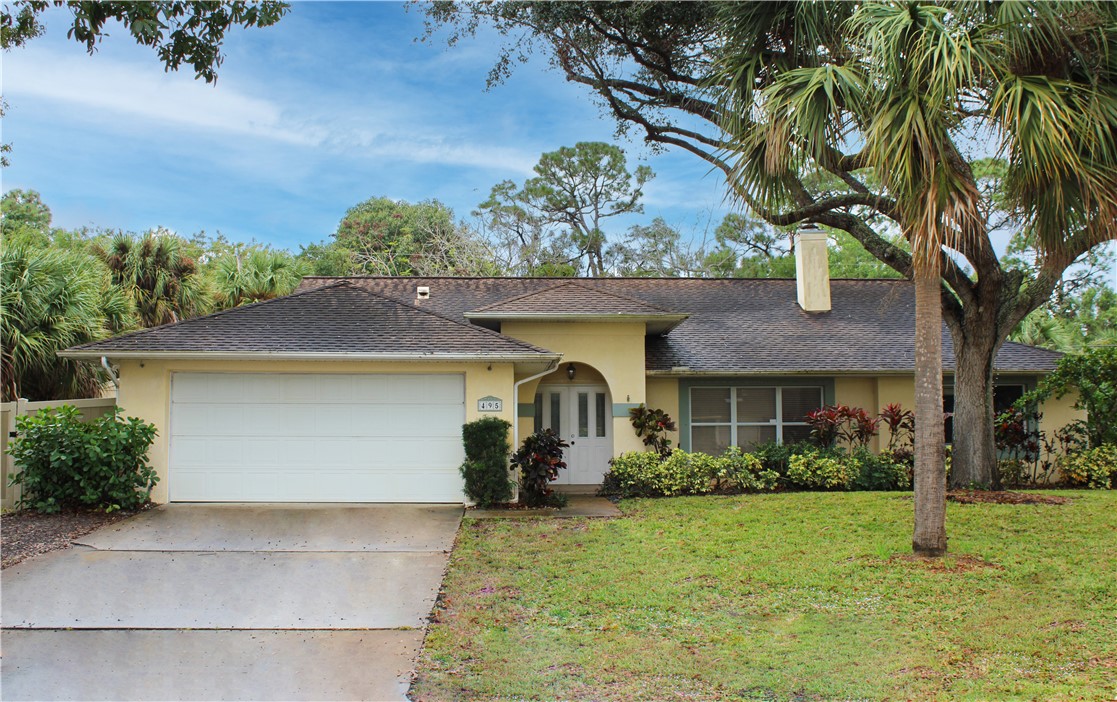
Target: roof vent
column 422, row 292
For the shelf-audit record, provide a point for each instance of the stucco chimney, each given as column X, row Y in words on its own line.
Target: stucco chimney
column 812, row 270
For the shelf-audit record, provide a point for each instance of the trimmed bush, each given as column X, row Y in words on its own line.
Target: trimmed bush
column 647, row 474
column 744, row 472
column 67, row 463
column 816, row 471
column 1095, row 468
column 880, row 472
column 485, row 469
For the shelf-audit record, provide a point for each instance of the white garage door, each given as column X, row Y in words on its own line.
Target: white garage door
column 271, row 437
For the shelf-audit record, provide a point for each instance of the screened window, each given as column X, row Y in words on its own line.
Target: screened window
column 747, row 416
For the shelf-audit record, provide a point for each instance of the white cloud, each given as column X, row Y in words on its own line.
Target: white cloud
column 105, row 85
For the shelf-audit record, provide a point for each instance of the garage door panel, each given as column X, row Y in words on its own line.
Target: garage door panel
column 316, row 437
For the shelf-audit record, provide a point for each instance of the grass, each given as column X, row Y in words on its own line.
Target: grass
column 789, row 596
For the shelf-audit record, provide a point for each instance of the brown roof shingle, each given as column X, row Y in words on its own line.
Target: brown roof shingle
column 739, row 325
column 337, row 317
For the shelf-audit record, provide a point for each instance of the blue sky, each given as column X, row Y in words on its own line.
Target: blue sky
column 335, row 104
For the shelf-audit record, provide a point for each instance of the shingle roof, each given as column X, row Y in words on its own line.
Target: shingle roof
column 571, row 298
column 737, row 325
column 337, row 317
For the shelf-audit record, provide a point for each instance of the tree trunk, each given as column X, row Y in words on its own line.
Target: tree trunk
column 929, row 538
column 974, row 453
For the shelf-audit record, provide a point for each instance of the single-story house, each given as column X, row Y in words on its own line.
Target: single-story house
column 355, row 389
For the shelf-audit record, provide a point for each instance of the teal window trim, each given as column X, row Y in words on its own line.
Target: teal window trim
column 685, row 384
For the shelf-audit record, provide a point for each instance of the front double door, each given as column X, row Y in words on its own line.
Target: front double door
column 583, row 416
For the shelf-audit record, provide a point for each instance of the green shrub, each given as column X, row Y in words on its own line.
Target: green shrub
column 817, row 471
column 1095, row 468
column 879, row 472
column 744, row 472
column 485, row 469
column 67, row 463
column 647, row 474
column 539, row 460
column 774, row 457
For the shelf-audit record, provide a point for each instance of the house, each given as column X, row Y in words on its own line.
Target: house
column 355, row 389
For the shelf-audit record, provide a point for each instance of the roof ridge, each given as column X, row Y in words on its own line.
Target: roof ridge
column 521, row 296
column 619, row 296
column 471, row 327
column 578, row 283
column 211, row 315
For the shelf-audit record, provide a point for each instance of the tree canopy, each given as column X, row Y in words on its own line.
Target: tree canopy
column 181, row 32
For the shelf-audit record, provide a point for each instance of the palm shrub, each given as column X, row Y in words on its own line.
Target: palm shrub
column 485, row 468
column 53, row 299
column 67, row 463
column 155, row 272
column 539, row 460
column 243, row 277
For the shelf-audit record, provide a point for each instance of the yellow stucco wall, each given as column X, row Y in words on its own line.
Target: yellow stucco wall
column 663, row 393
column 1059, row 413
column 145, row 388
column 614, row 350
column 859, row 392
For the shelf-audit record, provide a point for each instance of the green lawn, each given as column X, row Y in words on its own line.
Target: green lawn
column 790, row 596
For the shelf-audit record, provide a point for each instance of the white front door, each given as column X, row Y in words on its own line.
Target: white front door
column 583, row 416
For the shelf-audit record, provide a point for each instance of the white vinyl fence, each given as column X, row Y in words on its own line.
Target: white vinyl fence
column 90, row 410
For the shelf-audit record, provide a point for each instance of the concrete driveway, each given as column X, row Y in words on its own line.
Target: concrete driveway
column 229, row 602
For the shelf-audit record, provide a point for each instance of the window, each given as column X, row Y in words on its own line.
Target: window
column 721, row 417
column 537, row 418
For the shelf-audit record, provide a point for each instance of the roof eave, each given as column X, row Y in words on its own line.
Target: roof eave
column 90, row 354
column 658, row 324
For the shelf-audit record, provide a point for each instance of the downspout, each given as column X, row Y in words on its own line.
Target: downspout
column 516, row 415
column 113, row 377
column 516, row 400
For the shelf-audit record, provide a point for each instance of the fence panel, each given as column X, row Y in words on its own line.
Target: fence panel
column 90, row 409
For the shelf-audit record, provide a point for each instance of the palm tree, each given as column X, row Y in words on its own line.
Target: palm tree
column 153, row 271
column 240, row 278
column 905, row 86
column 52, row 299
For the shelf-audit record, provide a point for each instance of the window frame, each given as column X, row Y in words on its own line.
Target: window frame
column 777, row 422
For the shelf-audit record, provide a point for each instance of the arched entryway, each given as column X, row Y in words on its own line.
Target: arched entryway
column 575, row 403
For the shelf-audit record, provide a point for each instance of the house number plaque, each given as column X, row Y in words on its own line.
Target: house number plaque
column 490, row 404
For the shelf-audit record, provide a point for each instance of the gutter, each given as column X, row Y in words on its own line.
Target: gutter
column 516, row 409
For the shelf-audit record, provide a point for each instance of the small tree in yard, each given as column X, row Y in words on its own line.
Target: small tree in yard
column 539, row 461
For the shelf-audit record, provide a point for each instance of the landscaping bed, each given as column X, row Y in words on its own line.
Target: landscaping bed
column 808, row 596
column 28, row 533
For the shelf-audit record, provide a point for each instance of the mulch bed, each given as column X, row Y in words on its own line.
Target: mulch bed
column 1003, row 497
column 28, row 533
